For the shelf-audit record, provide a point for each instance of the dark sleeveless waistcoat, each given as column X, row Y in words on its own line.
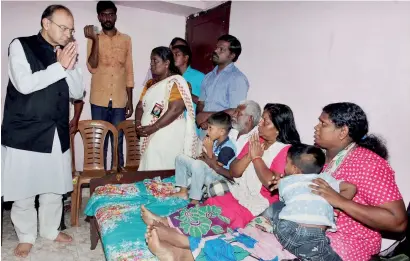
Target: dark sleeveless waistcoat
column 30, row 120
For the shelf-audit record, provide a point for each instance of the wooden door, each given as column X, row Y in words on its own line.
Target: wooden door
column 202, row 32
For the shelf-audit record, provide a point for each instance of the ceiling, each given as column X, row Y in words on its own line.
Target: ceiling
column 182, row 8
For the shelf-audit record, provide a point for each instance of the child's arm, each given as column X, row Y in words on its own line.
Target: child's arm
column 347, row 190
column 219, row 168
column 210, row 154
column 224, row 158
column 215, row 165
column 207, row 153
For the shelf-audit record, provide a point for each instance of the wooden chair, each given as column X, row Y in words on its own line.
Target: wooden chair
column 72, row 136
column 93, row 134
column 73, row 171
column 133, row 149
column 73, row 175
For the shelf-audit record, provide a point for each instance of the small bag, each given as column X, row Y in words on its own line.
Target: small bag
column 217, row 188
column 400, row 250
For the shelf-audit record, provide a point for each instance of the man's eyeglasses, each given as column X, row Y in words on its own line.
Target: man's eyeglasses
column 64, row 28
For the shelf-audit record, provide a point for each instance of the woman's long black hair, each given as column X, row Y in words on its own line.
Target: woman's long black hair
column 282, row 117
column 354, row 118
column 166, row 55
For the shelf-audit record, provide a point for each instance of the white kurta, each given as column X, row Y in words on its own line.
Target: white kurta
column 241, row 141
column 26, row 173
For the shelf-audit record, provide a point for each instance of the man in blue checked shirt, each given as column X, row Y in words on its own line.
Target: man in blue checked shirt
column 225, row 86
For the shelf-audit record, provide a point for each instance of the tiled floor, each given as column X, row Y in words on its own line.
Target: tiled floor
column 46, row 250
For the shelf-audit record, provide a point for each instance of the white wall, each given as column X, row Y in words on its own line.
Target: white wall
column 147, row 29
column 309, row 54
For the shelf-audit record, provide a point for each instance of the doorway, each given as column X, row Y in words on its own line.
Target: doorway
column 202, row 31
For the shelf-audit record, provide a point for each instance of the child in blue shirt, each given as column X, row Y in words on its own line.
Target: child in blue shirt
column 218, row 153
column 300, row 219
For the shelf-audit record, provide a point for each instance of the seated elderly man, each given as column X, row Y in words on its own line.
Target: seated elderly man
column 245, row 121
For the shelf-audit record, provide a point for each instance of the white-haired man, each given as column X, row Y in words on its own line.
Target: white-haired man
column 245, row 121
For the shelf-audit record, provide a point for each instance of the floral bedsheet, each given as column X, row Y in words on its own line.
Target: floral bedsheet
column 117, row 210
column 254, row 242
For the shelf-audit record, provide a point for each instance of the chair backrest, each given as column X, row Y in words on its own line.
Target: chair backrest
column 93, row 134
column 133, row 148
column 72, row 136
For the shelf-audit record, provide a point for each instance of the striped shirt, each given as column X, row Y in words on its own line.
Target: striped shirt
column 302, row 206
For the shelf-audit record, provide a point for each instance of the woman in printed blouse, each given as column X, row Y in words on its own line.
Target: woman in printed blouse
column 359, row 158
column 354, row 156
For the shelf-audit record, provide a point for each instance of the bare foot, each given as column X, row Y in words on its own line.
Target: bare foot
column 149, row 217
column 63, row 238
column 194, row 201
column 162, row 250
column 150, row 228
column 23, row 249
column 171, row 235
column 180, row 194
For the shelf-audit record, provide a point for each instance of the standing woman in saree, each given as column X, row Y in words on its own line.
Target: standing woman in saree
column 159, row 116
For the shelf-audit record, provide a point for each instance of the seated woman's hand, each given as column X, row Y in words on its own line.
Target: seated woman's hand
column 274, row 182
column 323, row 189
column 256, row 149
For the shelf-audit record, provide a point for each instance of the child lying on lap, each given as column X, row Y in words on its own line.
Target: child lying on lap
column 213, row 165
column 300, row 219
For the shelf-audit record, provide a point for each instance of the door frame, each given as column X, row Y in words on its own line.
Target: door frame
column 222, row 10
column 227, row 6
